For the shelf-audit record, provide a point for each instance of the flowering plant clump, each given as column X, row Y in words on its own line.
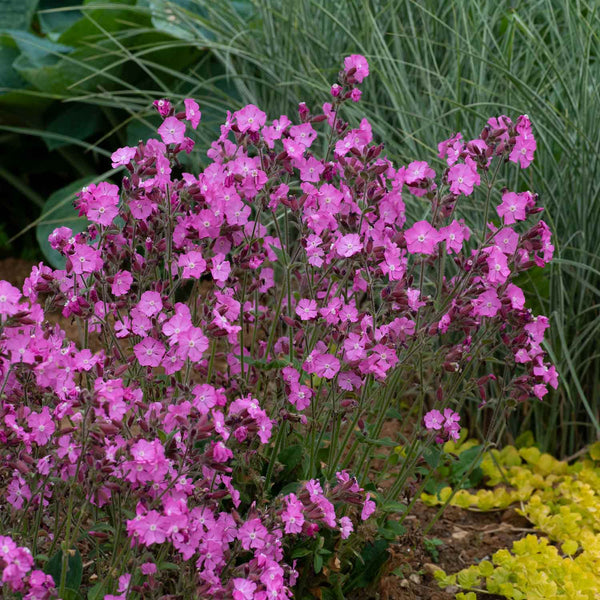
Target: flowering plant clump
column 244, row 333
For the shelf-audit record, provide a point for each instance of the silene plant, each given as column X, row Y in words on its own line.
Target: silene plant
column 246, row 332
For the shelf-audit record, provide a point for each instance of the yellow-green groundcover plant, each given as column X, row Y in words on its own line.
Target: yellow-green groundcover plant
column 561, row 500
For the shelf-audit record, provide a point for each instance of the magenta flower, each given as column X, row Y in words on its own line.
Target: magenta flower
column 122, row 156
column 326, row 365
column 85, row 260
column 487, row 304
column 9, row 299
column 243, row 589
column 42, row 426
column 462, row 178
column 516, row 296
column 349, row 245
column 454, row 235
column 368, row 508
column 192, row 112
column 358, row 65
column 421, row 238
column 149, row 352
column 172, row 131
column 250, row 118
column 150, row 304
column 193, row 264
column 498, row 270
column 121, row 283
column 306, row 309
column 507, row 240
column 512, row 208
column 434, row 420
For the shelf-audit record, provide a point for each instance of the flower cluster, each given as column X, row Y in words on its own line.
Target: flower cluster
column 243, row 329
column 16, row 566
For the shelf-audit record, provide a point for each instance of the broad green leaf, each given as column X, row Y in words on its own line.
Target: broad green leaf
column 9, row 52
column 56, row 16
column 58, row 212
column 17, row 13
column 97, row 592
column 367, row 568
column 74, row 572
column 78, row 121
column 291, row 456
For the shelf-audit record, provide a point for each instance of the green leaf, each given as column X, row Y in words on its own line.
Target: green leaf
column 525, row 440
column 71, row 594
column 74, row 571
column 366, row 571
column 55, row 16
column 171, row 18
column 17, row 13
column 9, row 52
column 97, row 592
column 59, row 211
column 318, row 563
column 392, row 530
column 291, row 456
column 301, row 552
column 78, row 121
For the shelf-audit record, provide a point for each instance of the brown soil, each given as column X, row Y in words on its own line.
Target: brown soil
column 468, row 537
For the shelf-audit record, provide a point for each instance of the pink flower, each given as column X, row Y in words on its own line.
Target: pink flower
column 355, row 95
column 172, row 131
column 525, row 144
column 434, row 420
column 252, row 534
column 516, row 296
column 193, row 343
column 243, row 589
column 422, row 238
column 368, row 508
column 300, row 396
column 454, row 235
column 349, row 245
column 359, row 65
column 150, row 304
column 513, row 207
column 250, row 118
column 498, row 270
column 193, row 265
column 122, row 156
column 42, row 426
column 85, row 259
column 346, row 527
column 306, row 309
column 220, row 269
column 463, row 177
column 149, row 352
column 192, row 112
column 151, row 528
column 121, row 283
column 487, row 304
column 507, row 240
column 326, row 365
column 451, row 149
column 293, row 516
column 303, row 134
column 9, row 299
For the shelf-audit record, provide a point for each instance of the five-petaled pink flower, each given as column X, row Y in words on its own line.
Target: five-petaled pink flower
column 172, row 131
column 421, row 238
